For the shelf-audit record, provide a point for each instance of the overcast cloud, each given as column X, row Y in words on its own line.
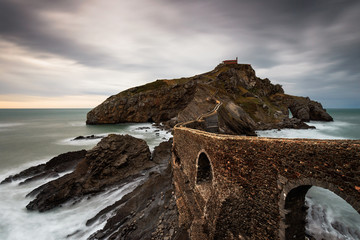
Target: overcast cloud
column 55, row 53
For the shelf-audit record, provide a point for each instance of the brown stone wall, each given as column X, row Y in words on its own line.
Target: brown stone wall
column 251, row 180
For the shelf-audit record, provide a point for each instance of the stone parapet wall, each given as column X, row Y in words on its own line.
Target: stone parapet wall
column 251, row 179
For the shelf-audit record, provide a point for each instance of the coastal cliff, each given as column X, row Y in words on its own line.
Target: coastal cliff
column 249, row 103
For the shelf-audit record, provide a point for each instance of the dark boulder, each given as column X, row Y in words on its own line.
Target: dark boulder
column 90, row 137
column 306, row 110
column 234, row 120
column 114, row 159
column 294, row 123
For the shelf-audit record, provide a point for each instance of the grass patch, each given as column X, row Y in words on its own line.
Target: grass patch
column 150, row 86
column 249, row 104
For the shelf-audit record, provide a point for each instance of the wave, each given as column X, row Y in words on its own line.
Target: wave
column 4, row 173
column 77, row 124
column 69, row 220
column 146, row 131
column 8, row 125
column 81, row 142
column 324, row 130
column 330, row 126
column 296, row 133
column 330, row 217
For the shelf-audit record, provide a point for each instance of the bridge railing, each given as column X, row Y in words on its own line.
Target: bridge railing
column 199, row 123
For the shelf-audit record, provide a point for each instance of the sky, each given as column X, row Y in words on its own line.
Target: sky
column 72, row 53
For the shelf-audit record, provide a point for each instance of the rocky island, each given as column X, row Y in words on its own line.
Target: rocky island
column 248, row 102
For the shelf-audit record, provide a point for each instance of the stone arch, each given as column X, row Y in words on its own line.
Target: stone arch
column 204, row 170
column 293, row 210
column 296, row 212
column 290, row 114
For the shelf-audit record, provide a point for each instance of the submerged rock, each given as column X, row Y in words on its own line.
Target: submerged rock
column 114, row 159
column 86, row 137
column 293, row 123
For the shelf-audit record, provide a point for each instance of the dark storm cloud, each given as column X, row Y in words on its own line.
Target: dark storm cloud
column 269, row 28
column 259, row 22
column 315, row 32
column 274, row 21
column 20, row 24
column 312, row 47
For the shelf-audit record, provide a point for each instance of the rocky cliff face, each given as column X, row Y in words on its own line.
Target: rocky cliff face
column 154, row 102
column 248, row 102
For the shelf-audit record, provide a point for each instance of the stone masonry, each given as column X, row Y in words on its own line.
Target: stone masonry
column 234, row 187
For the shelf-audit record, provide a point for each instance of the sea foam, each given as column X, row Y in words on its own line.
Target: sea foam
column 330, row 217
column 7, row 125
column 146, row 131
column 69, row 220
column 323, row 130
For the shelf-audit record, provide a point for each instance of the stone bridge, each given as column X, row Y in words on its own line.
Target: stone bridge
column 235, row 187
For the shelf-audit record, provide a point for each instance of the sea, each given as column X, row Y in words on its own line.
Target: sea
column 29, row 137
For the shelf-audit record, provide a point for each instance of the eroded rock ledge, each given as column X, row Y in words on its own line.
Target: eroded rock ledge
column 114, row 159
column 59, row 164
column 148, row 212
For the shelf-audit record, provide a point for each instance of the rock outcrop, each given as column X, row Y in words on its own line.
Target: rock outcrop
column 59, row 164
column 148, row 212
column 249, row 103
column 306, row 110
column 302, row 108
column 114, row 159
column 154, row 102
column 233, row 119
column 90, row 137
